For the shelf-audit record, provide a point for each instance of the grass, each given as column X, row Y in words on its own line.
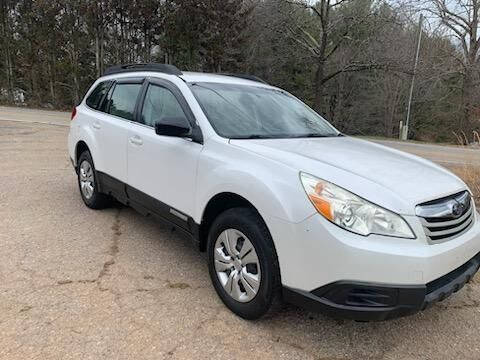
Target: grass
column 471, row 175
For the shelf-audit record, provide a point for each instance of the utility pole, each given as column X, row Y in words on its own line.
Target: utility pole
column 404, row 130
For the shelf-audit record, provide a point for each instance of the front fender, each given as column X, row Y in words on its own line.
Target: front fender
column 272, row 188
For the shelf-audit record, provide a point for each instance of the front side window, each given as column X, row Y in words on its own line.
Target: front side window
column 247, row 112
column 123, row 100
column 96, row 96
column 160, row 104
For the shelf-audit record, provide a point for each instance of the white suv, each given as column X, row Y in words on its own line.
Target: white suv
column 283, row 203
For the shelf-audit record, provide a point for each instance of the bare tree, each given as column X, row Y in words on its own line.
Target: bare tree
column 334, row 30
column 461, row 18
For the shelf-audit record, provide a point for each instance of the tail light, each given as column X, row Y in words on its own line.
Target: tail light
column 74, row 112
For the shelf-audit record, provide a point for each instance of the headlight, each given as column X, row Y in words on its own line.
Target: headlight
column 352, row 212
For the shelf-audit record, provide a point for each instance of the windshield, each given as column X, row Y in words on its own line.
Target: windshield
column 249, row 112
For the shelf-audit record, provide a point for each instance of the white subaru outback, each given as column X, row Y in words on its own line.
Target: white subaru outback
column 283, row 203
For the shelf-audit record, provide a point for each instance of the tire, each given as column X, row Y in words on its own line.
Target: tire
column 86, row 173
column 240, row 224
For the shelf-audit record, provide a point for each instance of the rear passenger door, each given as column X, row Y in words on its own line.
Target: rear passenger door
column 111, row 128
column 162, row 169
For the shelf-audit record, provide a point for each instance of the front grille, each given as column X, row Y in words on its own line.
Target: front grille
column 447, row 218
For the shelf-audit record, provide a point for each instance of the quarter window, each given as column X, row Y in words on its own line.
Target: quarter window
column 95, row 98
column 106, row 102
column 123, row 100
column 160, row 103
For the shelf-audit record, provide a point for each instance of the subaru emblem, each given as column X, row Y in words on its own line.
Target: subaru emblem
column 457, row 210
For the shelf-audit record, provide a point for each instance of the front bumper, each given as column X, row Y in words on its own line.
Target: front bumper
column 374, row 302
column 315, row 253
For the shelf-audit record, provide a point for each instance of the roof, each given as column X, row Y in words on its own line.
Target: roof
column 219, row 78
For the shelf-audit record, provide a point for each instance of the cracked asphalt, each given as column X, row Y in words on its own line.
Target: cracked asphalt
column 82, row 284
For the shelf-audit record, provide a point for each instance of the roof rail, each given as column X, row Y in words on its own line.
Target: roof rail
column 245, row 76
column 163, row 68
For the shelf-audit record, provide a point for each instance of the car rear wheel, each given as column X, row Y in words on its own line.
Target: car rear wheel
column 242, row 262
column 88, row 185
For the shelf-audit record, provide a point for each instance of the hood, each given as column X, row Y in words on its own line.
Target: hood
column 390, row 178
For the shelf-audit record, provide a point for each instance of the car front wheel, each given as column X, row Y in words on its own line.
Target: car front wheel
column 242, row 262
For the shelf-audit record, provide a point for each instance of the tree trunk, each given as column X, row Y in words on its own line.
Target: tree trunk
column 319, row 82
column 468, row 100
column 102, row 50
column 6, row 37
column 97, row 54
column 9, row 72
column 76, row 83
column 33, row 84
column 51, row 66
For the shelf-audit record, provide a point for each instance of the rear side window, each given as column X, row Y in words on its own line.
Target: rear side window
column 96, row 96
column 159, row 104
column 123, row 100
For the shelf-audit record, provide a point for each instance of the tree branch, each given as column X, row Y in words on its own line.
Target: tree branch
column 305, row 6
column 353, row 67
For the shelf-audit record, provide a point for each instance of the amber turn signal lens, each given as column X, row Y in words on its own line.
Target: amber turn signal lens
column 322, row 206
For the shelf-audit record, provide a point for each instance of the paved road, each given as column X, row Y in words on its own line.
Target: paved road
column 444, row 155
column 58, row 118
column 82, row 284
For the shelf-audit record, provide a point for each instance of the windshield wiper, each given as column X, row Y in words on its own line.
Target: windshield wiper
column 255, row 136
column 312, row 135
column 259, row 136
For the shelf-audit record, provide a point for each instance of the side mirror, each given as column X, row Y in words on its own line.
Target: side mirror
column 173, row 126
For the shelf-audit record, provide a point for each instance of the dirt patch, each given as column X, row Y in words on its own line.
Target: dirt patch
column 26, row 308
column 179, row 285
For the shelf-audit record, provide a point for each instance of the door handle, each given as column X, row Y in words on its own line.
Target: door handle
column 136, row 140
column 96, row 125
